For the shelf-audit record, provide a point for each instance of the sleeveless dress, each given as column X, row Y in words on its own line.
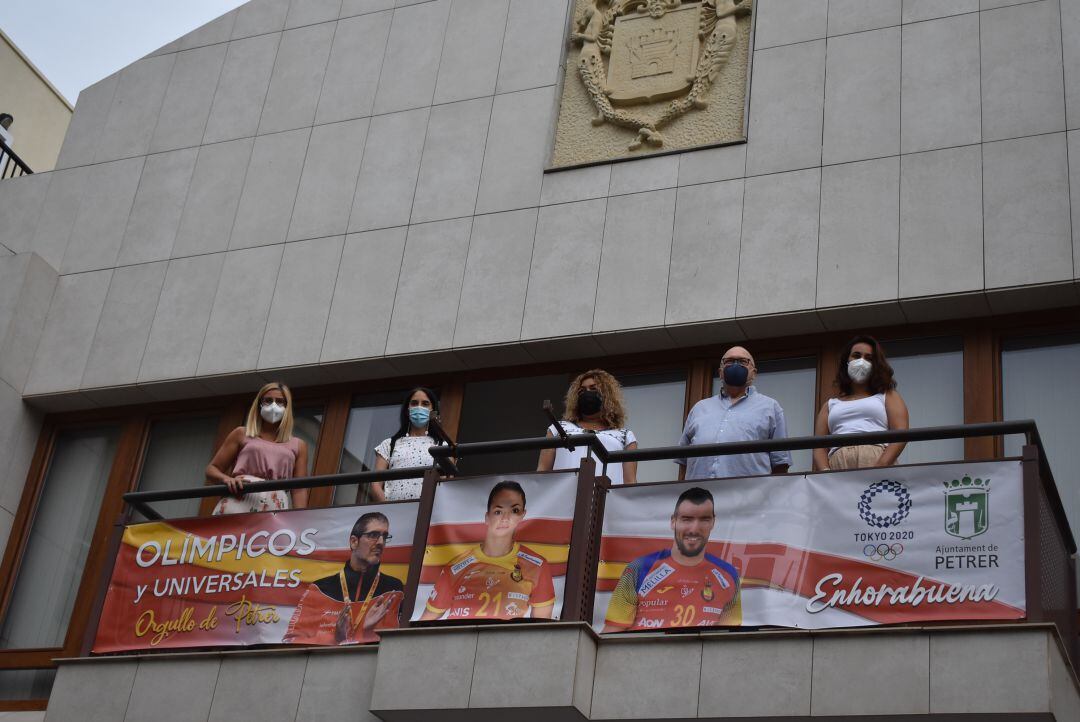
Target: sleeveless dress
column 261, row 460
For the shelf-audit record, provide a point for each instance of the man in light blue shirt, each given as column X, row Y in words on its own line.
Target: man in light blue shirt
column 737, row 413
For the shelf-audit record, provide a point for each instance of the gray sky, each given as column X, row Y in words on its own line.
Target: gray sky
column 75, row 43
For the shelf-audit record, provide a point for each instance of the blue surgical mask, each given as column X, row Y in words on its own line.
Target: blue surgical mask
column 419, row 416
column 736, row 375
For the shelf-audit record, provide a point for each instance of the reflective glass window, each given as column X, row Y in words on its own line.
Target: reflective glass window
column 48, row 578
column 372, row 418
column 655, row 403
column 176, row 458
column 930, row 377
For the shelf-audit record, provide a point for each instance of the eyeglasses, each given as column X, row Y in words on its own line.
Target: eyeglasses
column 736, row 362
column 374, row 536
column 268, row 401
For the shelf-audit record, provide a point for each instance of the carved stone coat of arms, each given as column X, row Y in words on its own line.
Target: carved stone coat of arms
column 652, row 75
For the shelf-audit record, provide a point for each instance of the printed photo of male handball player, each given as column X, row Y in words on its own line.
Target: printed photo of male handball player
column 681, row 585
column 498, row 578
column 347, row 607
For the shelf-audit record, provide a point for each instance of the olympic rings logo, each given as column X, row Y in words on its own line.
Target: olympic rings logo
column 883, row 552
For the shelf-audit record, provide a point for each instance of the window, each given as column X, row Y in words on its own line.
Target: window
column 655, row 403
column 372, row 418
column 508, row 409
column 23, row 684
column 1040, row 379
column 930, row 377
column 793, row 383
column 307, row 424
column 176, row 458
column 60, row 538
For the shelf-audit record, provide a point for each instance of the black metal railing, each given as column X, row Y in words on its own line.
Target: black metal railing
column 140, row 500
column 11, row 165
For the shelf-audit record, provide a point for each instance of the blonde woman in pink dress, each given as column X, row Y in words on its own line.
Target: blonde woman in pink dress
column 264, row 448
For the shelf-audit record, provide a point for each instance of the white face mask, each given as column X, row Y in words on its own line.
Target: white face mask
column 859, row 369
column 272, row 413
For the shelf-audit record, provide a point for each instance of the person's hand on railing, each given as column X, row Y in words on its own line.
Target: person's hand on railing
column 235, row 485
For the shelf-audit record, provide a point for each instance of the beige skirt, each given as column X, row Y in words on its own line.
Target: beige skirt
column 855, row 457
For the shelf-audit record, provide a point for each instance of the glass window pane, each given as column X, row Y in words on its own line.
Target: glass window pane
column 372, row 418
column 176, row 458
column 930, row 377
column 655, row 404
column 1040, row 380
column 508, row 409
column 63, row 526
column 26, row 684
column 307, row 424
column 793, row 383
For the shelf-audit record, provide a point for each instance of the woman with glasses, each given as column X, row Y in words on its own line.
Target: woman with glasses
column 264, row 448
column 408, row 446
column 594, row 405
column 868, row 401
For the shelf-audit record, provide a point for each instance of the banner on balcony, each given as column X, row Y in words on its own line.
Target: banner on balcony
column 864, row 547
column 321, row 576
column 497, row 548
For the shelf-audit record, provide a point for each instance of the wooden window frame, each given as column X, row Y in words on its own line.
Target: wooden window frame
column 982, row 340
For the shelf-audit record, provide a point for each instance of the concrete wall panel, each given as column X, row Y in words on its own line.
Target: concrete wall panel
column 704, row 271
column 853, row 16
column 338, row 687
column 1070, row 38
column 531, row 52
column 364, row 295
column 517, row 147
column 1026, row 201
column 496, row 277
column 135, row 108
column 310, row 12
column 20, row 208
column 779, row 243
column 176, row 336
column 301, row 304
column 88, row 122
column 862, row 96
column 941, row 222
column 173, row 690
column 124, row 328
column 565, row 268
column 633, row 284
column 860, row 233
column 425, row 307
column 328, row 183
column 673, row 668
column 941, row 84
column 237, row 324
column 101, row 695
column 773, row 679
column 577, row 184
column 158, row 207
column 352, row 72
column 271, row 689
column 258, row 17
column 29, row 288
column 212, row 198
column 99, row 226
column 58, row 214
column 918, row 10
column 69, row 332
column 187, row 102
column 470, row 55
column 387, row 182
column 217, row 30
column 238, row 101
column 847, row 674
column 780, row 22
column 265, row 209
column 453, row 158
column 786, row 101
column 411, row 63
column 1022, row 70
column 293, row 94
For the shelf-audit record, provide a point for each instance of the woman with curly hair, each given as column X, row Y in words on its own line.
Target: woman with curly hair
column 868, row 401
column 594, row 405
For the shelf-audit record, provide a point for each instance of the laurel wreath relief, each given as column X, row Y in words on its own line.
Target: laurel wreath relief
column 595, row 29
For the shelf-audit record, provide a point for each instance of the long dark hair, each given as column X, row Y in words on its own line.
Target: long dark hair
column 403, row 429
column 881, row 373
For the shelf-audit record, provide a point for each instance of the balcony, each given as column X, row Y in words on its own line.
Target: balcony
column 963, row 666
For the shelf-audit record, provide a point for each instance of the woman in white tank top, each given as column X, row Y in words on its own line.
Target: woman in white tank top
column 868, row 401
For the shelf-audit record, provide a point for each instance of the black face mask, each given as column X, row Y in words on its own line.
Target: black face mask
column 589, row 402
column 736, row 375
